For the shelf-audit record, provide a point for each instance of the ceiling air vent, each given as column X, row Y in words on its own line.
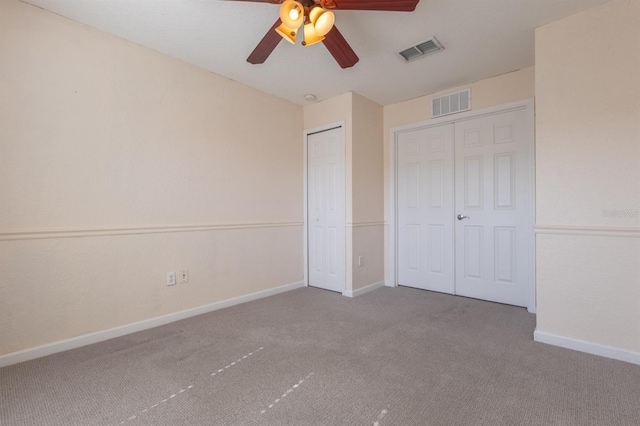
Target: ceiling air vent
column 421, row 49
column 451, row 103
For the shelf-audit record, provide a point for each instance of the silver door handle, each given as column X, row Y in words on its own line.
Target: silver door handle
column 460, row 217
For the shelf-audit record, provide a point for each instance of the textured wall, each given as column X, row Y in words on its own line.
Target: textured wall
column 368, row 195
column 588, row 176
column 118, row 164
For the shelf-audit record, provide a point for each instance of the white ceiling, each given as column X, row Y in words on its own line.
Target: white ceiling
column 482, row 38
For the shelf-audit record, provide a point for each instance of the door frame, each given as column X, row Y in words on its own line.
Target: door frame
column 305, row 237
column 391, row 260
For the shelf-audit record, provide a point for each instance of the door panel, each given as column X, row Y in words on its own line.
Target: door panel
column 505, row 253
column 473, row 188
column 494, row 240
column 473, row 251
column 425, row 209
column 326, row 210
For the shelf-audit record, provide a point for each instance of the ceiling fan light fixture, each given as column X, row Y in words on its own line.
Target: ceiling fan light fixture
column 292, row 14
column 287, row 33
column 310, row 35
column 314, row 13
column 324, row 22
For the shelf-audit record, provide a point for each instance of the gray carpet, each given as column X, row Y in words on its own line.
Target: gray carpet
column 311, row 357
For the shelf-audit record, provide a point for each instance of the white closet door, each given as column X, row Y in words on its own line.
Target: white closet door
column 425, row 208
column 326, row 209
column 493, row 204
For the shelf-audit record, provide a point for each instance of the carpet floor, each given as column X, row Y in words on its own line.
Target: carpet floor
column 395, row 356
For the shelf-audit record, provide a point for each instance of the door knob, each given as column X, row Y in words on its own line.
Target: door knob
column 460, row 217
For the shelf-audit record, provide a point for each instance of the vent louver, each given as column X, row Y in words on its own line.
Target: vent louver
column 421, row 49
column 451, row 103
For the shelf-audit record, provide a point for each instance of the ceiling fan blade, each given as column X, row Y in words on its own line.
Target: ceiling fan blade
column 391, row 5
column 340, row 49
column 266, row 45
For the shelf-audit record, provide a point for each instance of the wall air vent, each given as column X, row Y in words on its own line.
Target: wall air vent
column 451, row 103
column 421, row 49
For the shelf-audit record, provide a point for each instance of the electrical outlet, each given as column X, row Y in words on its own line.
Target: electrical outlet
column 183, row 276
column 171, row 278
column 360, row 260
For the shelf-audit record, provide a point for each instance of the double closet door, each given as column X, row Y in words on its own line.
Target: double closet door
column 464, row 207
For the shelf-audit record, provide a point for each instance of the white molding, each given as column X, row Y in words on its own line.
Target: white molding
column 587, row 347
column 305, row 218
column 363, row 290
column 531, row 121
column 390, row 266
column 99, row 336
column 597, row 231
column 76, row 233
column 525, row 104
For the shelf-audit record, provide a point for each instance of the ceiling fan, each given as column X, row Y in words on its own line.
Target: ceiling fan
column 318, row 19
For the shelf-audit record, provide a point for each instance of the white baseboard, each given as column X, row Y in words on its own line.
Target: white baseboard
column 363, row 290
column 99, row 336
column 587, row 347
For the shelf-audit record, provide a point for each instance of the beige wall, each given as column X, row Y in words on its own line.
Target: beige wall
column 493, row 91
column 588, row 165
column 363, row 169
column 329, row 111
column 106, row 146
column 367, row 161
column 368, row 195
column 501, row 89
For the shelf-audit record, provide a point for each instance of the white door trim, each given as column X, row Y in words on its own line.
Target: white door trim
column 305, row 239
column 392, row 258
